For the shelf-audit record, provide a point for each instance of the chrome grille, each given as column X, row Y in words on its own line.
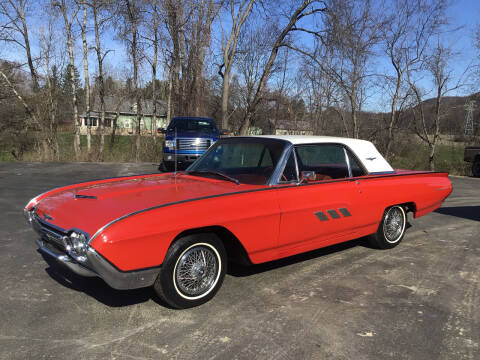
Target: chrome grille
column 194, row 144
column 48, row 233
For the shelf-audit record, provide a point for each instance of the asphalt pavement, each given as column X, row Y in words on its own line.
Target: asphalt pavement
column 420, row 300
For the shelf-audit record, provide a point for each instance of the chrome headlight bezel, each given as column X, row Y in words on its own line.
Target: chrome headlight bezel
column 77, row 245
column 28, row 214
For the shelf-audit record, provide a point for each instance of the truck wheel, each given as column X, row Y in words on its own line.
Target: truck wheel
column 193, row 271
column 476, row 167
column 391, row 229
column 166, row 166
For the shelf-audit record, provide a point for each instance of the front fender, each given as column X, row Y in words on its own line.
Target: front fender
column 141, row 240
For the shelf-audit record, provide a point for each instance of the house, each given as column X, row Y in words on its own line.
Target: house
column 125, row 113
column 287, row 127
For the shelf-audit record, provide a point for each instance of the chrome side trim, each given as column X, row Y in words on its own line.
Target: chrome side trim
column 347, row 160
column 267, row 188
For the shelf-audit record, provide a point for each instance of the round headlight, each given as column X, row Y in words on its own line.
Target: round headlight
column 28, row 215
column 170, row 144
column 79, row 243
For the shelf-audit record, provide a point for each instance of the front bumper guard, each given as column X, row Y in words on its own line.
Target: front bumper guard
column 96, row 265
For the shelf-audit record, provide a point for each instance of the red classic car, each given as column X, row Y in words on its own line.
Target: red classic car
column 251, row 199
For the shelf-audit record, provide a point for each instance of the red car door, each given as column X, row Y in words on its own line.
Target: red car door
column 321, row 212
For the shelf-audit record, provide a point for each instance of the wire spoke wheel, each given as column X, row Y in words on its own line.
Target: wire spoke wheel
column 197, row 271
column 394, row 224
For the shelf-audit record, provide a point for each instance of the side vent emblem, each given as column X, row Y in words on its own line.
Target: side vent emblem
column 333, row 214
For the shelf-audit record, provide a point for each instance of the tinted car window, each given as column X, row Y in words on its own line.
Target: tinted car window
column 327, row 160
column 357, row 170
column 250, row 161
column 193, row 126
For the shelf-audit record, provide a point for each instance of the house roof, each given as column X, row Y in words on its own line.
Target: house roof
column 292, row 125
column 127, row 106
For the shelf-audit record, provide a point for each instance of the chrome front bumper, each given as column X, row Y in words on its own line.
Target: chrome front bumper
column 95, row 264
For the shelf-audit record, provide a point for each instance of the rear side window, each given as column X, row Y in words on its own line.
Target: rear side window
column 326, row 160
column 357, row 170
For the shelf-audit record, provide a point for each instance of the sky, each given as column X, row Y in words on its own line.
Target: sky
column 464, row 16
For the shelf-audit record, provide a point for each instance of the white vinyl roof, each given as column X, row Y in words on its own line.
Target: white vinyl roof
column 366, row 152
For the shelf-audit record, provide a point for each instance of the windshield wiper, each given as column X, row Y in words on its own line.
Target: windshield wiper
column 213, row 172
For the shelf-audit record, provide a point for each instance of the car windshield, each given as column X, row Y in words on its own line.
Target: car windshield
column 193, row 126
column 248, row 160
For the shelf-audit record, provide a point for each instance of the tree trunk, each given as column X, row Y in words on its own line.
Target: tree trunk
column 246, row 124
column 26, row 39
column 225, row 96
column 68, row 30
column 87, row 79
column 114, row 130
column 393, row 116
column 51, row 138
column 229, row 51
column 169, row 96
column 133, row 52
column 154, row 74
column 431, row 156
column 101, row 82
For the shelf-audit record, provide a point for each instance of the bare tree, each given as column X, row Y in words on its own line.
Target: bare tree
column 298, row 13
column 83, row 27
column 189, row 25
column 406, row 35
column 69, row 12
column 437, row 66
column 154, row 39
column 132, row 12
column 321, row 91
column 15, row 12
column 99, row 20
column 52, row 104
column 30, row 112
column 353, row 29
column 239, row 14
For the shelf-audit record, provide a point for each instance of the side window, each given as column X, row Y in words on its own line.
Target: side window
column 265, row 158
column 290, row 171
column 354, row 165
column 326, row 160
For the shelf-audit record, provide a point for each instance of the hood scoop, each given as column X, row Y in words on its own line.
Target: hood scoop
column 80, row 196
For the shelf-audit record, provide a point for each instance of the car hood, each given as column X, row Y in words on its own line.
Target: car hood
column 90, row 206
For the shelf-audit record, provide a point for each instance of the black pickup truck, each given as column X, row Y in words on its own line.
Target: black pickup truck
column 472, row 155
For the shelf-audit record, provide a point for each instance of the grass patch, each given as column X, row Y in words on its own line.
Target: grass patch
column 448, row 158
column 123, row 149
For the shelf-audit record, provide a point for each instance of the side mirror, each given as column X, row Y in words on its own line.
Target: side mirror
column 161, row 131
column 224, row 132
column 307, row 176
